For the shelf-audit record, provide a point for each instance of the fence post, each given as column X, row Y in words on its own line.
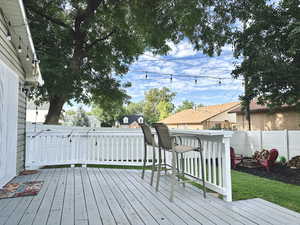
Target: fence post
column 260, row 140
column 286, row 144
column 227, row 169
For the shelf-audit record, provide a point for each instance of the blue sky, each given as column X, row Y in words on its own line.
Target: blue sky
column 183, row 60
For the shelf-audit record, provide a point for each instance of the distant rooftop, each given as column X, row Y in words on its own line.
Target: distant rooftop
column 192, row 116
column 255, row 107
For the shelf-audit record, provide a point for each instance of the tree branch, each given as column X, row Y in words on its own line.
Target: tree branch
column 100, row 39
column 51, row 19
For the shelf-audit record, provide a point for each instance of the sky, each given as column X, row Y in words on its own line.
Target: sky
column 183, row 60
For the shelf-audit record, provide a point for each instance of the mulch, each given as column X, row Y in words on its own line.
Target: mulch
column 278, row 172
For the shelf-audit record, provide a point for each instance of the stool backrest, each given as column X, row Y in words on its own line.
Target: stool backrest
column 164, row 138
column 148, row 137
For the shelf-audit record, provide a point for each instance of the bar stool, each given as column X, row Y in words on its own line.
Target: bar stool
column 148, row 141
column 165, row 142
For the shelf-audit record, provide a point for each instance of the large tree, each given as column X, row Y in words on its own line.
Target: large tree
column 80, row 43
column 158, row 104
column 269, row 44
column 186, row 104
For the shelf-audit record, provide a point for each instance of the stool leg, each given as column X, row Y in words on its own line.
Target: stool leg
column 177, row 166
column 153, row 166
column 165, row 162
column 173, row 176
column 182, row 167
column 158, row 168
column 145, row 159
column 202, row 171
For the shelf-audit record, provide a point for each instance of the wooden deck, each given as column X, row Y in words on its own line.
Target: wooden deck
column 92, row 196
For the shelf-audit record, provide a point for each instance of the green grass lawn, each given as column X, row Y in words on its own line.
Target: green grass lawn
column 246, row 186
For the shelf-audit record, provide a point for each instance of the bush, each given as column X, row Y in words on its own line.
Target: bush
column 282, row 160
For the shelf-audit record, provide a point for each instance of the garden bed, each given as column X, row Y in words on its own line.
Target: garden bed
column 277, row 172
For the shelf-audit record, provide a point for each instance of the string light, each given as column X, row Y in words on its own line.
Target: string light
column 34, row 62
column 146, row 76
column 8, row 35
column 20, row 48
column 171, row 78
column 196, row 81
column 181, row 75
column 27, row 55
column 220, row 82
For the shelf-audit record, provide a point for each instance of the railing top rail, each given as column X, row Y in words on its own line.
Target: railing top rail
column 75, row 131
column 202, row 132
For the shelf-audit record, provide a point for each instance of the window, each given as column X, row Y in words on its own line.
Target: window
column 141, row 120
column 125, row 120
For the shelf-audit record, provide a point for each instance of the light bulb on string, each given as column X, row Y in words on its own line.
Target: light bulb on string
column 27, row 56
column 146, row 76
column 171, row 78
column 8, row 35
column 33, row 62
column 20, row 47
column 196, row 81
column 220, row 82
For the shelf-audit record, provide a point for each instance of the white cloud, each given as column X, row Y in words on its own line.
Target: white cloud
column 183, row 49
column 183, row 60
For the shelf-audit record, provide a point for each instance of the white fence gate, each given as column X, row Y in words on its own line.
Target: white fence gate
column 53, row 145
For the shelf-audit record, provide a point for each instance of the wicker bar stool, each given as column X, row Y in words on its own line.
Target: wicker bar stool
column 148, row 141
column 165, row 141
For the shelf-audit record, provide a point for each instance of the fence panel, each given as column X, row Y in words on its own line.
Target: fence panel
column 286, row 142
column 293, row 143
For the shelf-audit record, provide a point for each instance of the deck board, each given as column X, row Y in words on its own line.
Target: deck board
column 55, row 212
column 93, row 196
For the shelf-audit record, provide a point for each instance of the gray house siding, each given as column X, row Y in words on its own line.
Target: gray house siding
column 9, row 56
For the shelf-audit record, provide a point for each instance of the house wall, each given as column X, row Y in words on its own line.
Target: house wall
column 186, row 126
column 231, row 117
column 9, row 56
column 224, row 119
column 289, row 120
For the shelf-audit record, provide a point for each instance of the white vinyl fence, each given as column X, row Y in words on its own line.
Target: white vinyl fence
column 287, row 142
column 56, row 145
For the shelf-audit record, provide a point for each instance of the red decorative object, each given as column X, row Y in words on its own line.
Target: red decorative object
column 235, row 158
column 270, row 161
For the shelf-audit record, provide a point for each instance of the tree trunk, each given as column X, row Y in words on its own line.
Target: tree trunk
column 56, row 105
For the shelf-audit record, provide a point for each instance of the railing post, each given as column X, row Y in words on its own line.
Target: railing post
column 227, row 169
column 286, row 143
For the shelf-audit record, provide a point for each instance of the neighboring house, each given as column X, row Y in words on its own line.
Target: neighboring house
column 94, row 121
column 130, row 121
column 18, row 71
column 262, row 118
column 202, row 118
column 36, row 114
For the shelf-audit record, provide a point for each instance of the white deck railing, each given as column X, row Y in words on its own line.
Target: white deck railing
column 108, row 146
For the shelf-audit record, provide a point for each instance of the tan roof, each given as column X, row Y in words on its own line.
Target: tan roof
column 199, row 115
column 255, row 107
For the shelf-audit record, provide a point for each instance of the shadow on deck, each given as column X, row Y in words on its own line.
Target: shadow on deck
column 93, row 196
